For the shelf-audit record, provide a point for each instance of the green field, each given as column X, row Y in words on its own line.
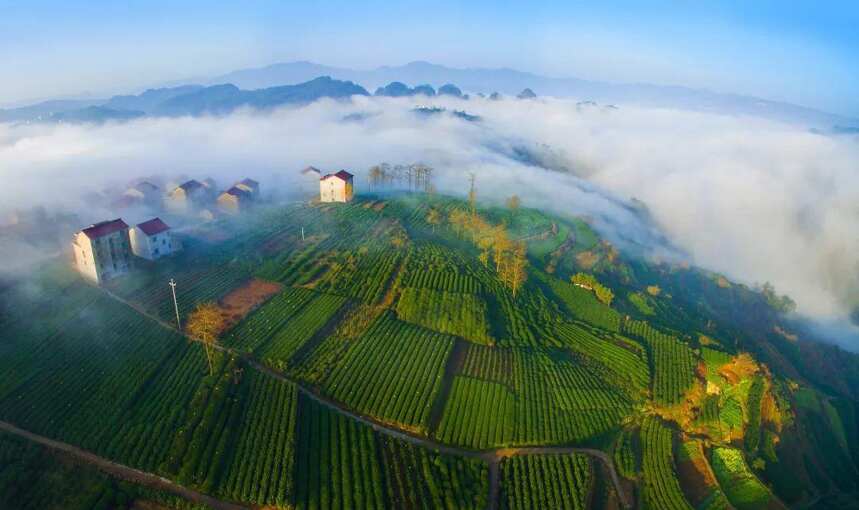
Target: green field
column 383, row 319
column 547, row 481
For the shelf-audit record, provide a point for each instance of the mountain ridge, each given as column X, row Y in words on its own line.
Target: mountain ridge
column 511, row 82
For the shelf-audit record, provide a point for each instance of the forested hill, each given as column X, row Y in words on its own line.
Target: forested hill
column 418, row 351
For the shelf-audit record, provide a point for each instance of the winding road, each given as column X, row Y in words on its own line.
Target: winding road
column 492, row 457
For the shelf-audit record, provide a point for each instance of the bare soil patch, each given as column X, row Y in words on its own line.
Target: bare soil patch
column 241, row 301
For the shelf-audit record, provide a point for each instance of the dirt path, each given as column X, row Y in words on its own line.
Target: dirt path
column 451, row 368
column 122, row 471
column 492, row 456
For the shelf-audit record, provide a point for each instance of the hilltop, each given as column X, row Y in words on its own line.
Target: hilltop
column 418, row 350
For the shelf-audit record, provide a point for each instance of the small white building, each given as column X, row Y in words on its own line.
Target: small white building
column 102, row 251
column 336, row 187
column 153, row 239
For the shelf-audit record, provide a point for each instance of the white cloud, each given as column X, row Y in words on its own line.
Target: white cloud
column 756, row 200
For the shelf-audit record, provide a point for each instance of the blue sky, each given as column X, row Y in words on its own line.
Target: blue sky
column 798, row 51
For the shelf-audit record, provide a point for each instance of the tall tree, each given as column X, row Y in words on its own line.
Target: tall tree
column 375, row 176
column 472, row 197
column 501, row 244
column 433, row 218
column 205, row 323
column 458, row 220
column 517, row 273
column 513, row 203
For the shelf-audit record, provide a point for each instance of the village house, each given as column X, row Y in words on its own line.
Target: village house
column 103, row 250
column 249, row 185
column 336, row 187
column 144, row 192
column 187, row 197
column 152, row 240
column 234, row 200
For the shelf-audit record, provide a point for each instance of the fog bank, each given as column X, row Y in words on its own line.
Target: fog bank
column 755, row 200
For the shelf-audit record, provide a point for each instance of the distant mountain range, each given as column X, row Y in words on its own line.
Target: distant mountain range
column 304, row 82
column 512, row 82
column 184, row 100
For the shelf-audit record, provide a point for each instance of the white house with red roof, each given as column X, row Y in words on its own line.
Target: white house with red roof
column 336, row 187
column 103, row 250
column 153, row 239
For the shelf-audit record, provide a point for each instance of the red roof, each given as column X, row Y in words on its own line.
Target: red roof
column 104, row 228
column 342, row 175
column 153, row 226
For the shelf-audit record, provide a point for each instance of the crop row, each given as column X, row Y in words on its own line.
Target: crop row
column 627, row 366
column 546, row 481
column 582, row 304
column 447, row 312
column 261, row 470
column 553, row 400
column 364, row 279
column 277, row 330
column 660, row 487
column 672, row 361
column 292, row 337
column 479, row 413
column 392, row 372
column 255, row 330
column 343, row 464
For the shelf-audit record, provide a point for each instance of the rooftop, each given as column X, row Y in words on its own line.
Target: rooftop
column 104, row 228
column 342, row 175
column 153, row 226
column 191, row 185
column 238, row 192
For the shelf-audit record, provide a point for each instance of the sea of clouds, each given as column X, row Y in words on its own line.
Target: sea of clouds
column 753, row 199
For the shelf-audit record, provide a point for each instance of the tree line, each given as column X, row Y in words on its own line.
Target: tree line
column 508, row 256
column 413, row 177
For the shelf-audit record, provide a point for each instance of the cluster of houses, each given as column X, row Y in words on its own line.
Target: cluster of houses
column 105, row 250
column 198, row 197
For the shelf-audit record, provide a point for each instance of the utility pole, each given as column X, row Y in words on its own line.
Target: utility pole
column 175, row 304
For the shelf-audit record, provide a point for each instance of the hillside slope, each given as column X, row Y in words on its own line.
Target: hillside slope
column 486, row 331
